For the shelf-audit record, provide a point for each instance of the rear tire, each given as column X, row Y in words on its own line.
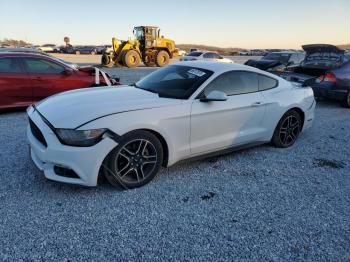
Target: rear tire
column 288, row 130
column 162, row 58
column 346, row 101
column 131, row 59
column 106, row 60
column 135, row 161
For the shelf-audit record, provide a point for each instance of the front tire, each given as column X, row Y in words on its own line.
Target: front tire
column 162, row 58
column 131, row 59
column 288, row 130
column 346, row 101
column 135, row 161
column 107, row 60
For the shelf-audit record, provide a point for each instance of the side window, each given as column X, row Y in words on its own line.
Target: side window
column 301, row 57
column 294, row 58
column 9, row 65
column 266, row 83
column 42, row 66
column 215, row 56
column 234, row 83
column 207, row 55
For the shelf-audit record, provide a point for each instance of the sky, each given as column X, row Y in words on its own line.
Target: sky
column 225, row 23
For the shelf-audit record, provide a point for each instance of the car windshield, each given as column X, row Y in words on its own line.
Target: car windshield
column 195, row 54
column 281, row 57
column 174, row 81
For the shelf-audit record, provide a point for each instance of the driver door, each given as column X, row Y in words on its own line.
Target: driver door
column 218, row 125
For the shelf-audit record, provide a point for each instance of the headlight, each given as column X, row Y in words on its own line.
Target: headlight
column 74, row 137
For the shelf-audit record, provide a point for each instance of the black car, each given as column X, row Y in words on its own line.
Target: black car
column 277, row 60
column 326, row 68
column 86, row 50
column 68, row 49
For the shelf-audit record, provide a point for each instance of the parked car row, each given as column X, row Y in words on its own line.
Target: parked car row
column 127, row 133
column 68, row 49
column 325, row 68
column 205, row 56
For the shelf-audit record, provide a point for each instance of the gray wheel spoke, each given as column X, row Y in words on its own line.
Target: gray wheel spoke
column 127, row 152
column 141, row 171
column 141, row 147
column 150, row 160
column 137, row 174
column 128, row 170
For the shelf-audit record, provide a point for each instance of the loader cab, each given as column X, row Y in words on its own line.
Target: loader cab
column 146, row 35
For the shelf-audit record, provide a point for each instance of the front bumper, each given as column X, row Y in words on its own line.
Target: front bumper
column 84, row 161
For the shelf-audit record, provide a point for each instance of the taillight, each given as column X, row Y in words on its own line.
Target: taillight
column 328, row 77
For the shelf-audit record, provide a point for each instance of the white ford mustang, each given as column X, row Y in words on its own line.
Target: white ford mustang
column 178, row 112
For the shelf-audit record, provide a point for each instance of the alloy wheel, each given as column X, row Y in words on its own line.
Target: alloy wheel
column 135, row 161
column 290, row 130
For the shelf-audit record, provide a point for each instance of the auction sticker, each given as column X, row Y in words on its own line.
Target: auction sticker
column 196, row 72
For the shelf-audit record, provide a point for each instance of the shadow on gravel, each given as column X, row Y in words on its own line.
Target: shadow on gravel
column 208, row 196
column 321, row 162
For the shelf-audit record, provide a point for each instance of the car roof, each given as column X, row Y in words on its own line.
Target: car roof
column 286, row 52
column 218, row 67
column 23, row 54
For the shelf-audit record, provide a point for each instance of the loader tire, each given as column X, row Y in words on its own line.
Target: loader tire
column 106, row 60
column 162, row 58
column 131, row 59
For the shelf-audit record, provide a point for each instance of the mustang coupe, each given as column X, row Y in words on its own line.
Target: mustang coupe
column 184, row 110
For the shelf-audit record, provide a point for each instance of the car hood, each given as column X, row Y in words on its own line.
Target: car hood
column 263, row 64
column 322, row 48
column 74, row 108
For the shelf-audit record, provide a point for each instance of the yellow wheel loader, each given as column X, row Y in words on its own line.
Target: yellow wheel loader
column 147, row 46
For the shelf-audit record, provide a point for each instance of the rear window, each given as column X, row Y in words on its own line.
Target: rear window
column 9, row 65
column 195, row 54
column 281, row 57
column 266, row 83
column 324, row 56
column 174, row 81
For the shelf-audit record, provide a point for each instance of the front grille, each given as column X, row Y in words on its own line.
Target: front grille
column 37, row 133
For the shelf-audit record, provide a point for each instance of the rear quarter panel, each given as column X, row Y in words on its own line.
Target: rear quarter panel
column 282, row 99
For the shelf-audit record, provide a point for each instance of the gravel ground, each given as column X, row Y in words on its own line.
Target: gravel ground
column 253, row 205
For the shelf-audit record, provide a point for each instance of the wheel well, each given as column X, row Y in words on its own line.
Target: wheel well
column 164, row 145
column 301, row 113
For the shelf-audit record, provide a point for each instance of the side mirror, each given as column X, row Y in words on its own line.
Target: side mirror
column 214, row 96
column 67, row 72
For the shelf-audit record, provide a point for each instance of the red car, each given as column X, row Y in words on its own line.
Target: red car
column 26, row 78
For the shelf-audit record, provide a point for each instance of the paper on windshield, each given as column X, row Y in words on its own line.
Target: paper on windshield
column 196, row 72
